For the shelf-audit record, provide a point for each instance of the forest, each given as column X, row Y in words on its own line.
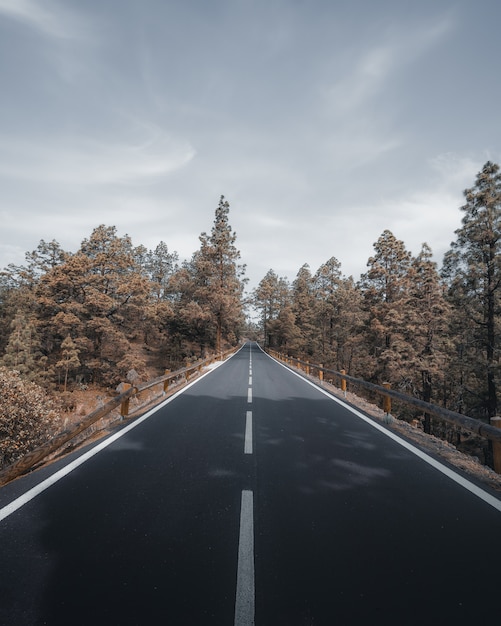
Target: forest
column 432, row 333
column 90, row 317
column 84, row 319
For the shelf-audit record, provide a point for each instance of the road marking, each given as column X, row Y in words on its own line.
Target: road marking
column 457, row 478
column 248, row 433
column 250, row 381
column 249, row 395
column 245, row 596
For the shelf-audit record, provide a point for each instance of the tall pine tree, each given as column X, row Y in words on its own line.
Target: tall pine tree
column 304, row 306
column 385, row 287
column 217, row 279
column 472, row 268
column 426, row 324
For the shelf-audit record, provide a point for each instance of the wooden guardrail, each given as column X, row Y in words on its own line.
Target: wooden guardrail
column 33, row 458
column 491, row 432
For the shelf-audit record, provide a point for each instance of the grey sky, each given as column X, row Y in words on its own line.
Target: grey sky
column 323, row 122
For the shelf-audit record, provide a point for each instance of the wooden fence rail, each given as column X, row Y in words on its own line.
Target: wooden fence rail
column 33, row 458
column 488, row 431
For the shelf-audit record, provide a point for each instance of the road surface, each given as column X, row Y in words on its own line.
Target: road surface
column 252, row 497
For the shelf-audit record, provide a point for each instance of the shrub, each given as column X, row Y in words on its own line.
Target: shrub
column 28, row 416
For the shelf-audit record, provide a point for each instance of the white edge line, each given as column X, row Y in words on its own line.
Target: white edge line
column 245, row 593
column 20, row 501
column 460, row 480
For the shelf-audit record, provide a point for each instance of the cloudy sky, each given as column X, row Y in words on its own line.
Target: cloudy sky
column 323, row 122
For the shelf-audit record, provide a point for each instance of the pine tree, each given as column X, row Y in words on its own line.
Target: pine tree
column 326, row 284
column 426, row 325
column 69, row 358
column 100, row 297
column 217, row 278
column 22, row 349
column 269, row 298
column 38, row 262
column 285, row 331
column 385, row 287
column 351, row 350
column 340, row 317
column 46, row 256
column 472, row 268
column 19, row 282
column 304, row 307
column 160, row 265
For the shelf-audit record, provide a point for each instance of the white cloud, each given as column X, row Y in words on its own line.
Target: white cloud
column 85, row 161
column 454, row 170
column 399, row 45
column 321, row 126
column 364, row 81
column 431, row 214
column 46, row 17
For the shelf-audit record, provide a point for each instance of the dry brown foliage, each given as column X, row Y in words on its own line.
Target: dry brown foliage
column 28, row 416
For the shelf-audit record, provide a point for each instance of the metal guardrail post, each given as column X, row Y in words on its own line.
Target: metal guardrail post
column 321, row 373
column 343, row 382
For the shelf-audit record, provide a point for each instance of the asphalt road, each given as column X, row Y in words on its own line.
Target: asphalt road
column 250, row 498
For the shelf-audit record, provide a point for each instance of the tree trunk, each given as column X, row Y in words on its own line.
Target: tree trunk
column 491, row 338
column 218, row 333
column 426, row 378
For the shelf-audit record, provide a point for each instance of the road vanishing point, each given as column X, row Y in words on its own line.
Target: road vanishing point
column 251, row 496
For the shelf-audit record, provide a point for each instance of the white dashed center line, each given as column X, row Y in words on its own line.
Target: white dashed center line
column 248, row 433
column 245, row 597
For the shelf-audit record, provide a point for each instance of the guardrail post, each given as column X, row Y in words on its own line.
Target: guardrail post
column 166, row 382
column 124, row 407
column 187, row 373
column 496, row 446
column 307, row 368
column 387, row 400
column 343, row 383
column 321, row 373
